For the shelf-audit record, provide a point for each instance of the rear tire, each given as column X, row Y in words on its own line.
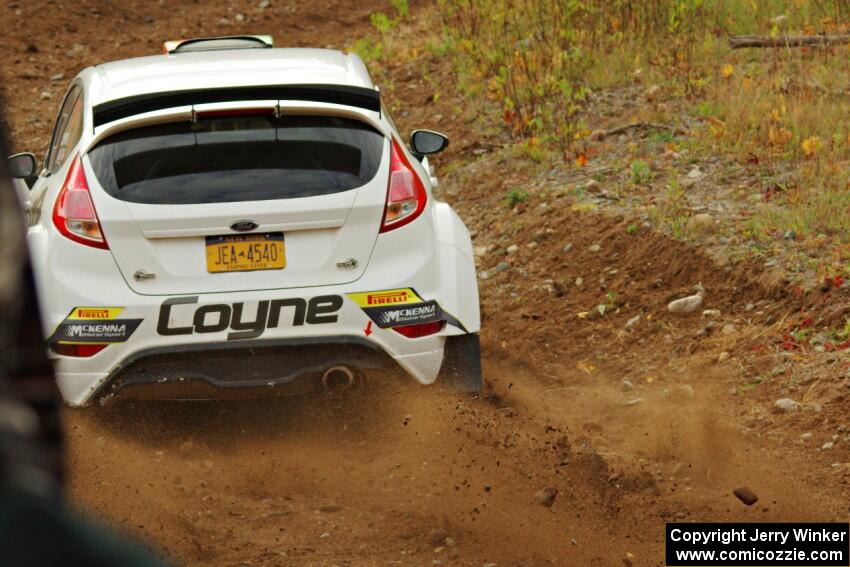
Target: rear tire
column 461, row 369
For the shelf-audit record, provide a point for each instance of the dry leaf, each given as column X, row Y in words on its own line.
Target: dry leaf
column 811, row 145
column 779, row 136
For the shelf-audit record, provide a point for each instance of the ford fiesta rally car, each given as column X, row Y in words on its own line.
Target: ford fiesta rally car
column 235, row 215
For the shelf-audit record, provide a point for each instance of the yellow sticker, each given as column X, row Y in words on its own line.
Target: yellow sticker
column 95, row 313
column 386, row 297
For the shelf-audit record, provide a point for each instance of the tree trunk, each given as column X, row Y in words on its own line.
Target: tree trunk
column 741, row 41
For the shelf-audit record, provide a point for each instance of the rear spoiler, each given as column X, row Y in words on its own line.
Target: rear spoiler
column 361, row 97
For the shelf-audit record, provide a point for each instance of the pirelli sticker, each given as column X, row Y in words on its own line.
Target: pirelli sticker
column 94, row 325
column 400, row 307
column 386, row 298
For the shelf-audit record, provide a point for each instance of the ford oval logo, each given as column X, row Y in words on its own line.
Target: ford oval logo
column 244, row 225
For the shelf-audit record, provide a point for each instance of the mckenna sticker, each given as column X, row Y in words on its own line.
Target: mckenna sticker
column 399, row 307
column 94, row 325
column 405, row 314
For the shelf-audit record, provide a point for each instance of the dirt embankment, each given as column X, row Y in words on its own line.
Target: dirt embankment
column 631, row 425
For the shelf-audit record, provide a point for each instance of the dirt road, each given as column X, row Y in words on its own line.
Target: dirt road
column 398, row 474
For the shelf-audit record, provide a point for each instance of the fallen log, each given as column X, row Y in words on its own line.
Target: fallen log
column 602, row 134
column 742, row 41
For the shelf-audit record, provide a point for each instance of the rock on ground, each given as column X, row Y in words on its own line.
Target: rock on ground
column 652, row 93
column 546, row 496
column 700, row 223
column 685, row 305
column 746, row 495
column 786, row 405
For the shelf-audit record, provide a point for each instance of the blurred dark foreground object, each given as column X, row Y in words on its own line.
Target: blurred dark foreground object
column 37, row 531
column 36, row 527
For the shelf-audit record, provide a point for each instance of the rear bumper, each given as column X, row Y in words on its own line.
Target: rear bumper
column 247, row 364
column 261, row 365
column 216, row 339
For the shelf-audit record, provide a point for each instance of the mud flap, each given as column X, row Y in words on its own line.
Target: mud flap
column 461, row 369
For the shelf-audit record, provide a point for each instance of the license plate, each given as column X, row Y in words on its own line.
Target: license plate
column 245, row 252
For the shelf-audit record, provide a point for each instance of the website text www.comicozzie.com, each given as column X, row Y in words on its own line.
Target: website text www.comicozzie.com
column 778, row 555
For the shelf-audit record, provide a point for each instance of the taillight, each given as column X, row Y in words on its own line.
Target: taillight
column 421, row 330
column 73, row 213
column 406, row 195
column 79, row 351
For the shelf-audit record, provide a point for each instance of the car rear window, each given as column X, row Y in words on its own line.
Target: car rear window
column 238, row 158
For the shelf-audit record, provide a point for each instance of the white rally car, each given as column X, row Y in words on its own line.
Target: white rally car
column 233, row 215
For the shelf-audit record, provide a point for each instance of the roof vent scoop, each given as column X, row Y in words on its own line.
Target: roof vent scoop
column 217, row 43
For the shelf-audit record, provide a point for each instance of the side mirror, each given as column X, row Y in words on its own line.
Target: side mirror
column 426, row 142
column 22, row 166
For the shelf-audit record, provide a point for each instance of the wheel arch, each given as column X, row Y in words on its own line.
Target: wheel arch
column 457, row 277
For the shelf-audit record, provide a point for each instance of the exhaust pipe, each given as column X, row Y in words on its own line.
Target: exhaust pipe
column 338, row 379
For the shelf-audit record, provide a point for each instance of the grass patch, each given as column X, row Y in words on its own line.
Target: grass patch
column 515, row 197
column 641, row 172
column 525, row 68
column 670, row 212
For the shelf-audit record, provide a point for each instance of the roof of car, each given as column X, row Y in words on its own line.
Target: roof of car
column 225, row 68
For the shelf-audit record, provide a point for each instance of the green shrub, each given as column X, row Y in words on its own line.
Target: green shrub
column 515, row 197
